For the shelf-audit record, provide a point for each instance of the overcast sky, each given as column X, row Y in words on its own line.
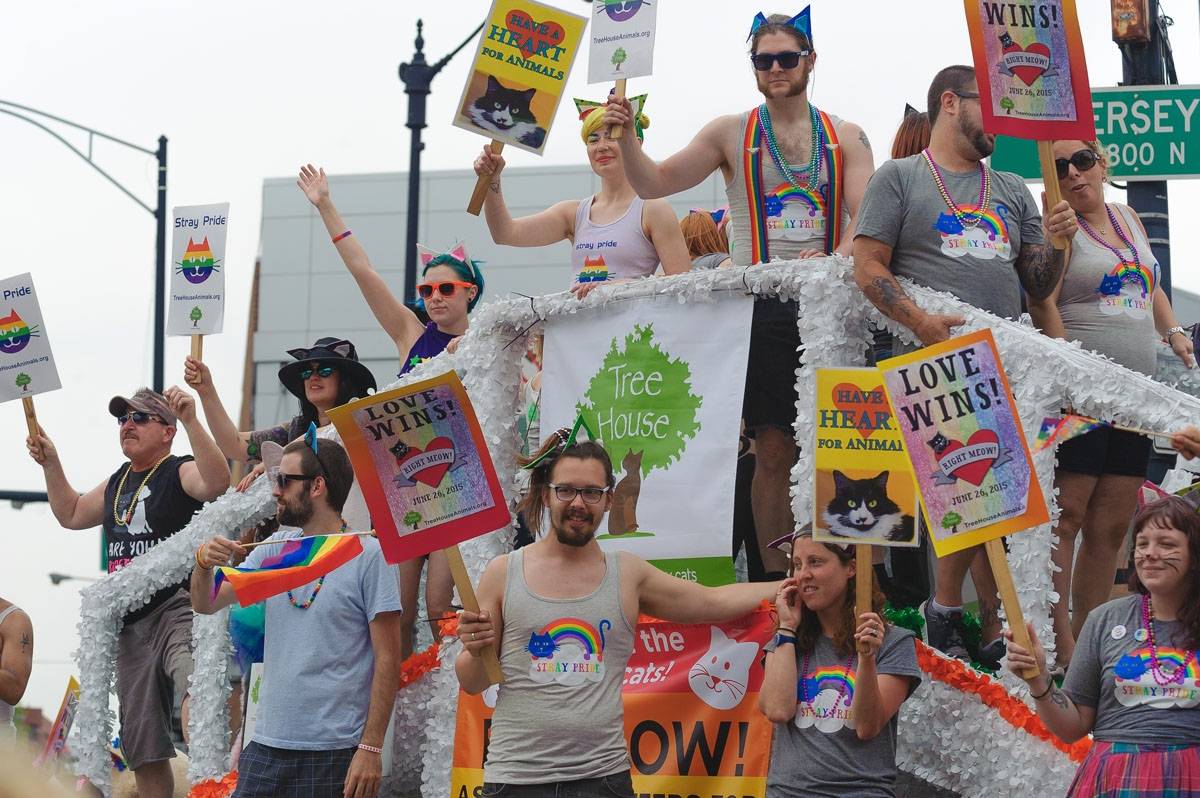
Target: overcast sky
column 246, row 91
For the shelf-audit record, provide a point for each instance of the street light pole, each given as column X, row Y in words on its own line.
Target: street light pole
column 160, row 271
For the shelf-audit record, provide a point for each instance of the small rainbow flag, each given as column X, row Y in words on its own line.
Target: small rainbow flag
column 299, row 562
column 1059, row 430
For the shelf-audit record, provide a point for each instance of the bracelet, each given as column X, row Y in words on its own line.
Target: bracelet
column 199, row 564
column 340, row 236
column 781, row 638
column 1044, row 693
column 371, row 748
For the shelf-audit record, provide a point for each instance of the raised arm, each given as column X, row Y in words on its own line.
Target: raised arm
column 1069, row 721
column 858, row 163
column 700, row 158
column 16, row 656
column 777, row 696
column 556, row 223
column 873, row 274
column 479, row 630
column 400, row 323
column 877, row 697
column 71, row 509
column 662, row 228
column 207, row 477
column 672, row 599
column 231, row 442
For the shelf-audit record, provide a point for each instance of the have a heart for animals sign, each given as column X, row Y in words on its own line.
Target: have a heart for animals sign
column 963, row 437
column 423, row 466
column 1030, row 68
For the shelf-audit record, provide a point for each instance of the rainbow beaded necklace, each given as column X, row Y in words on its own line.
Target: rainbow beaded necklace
column 975, row 215
column 1112, row 219
column 1161, row 678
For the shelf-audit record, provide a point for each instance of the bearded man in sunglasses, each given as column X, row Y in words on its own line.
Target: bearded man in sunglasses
column 144, row 502
column 795, row 176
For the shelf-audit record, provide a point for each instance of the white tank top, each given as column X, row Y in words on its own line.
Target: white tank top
column 611, row 251
column 6, row 710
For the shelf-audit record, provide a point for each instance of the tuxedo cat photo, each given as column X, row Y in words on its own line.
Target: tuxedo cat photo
column 506, row 114
column 861, row 509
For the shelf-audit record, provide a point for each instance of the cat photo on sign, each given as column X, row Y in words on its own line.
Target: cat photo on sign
column 865, row 506
column 507, row 113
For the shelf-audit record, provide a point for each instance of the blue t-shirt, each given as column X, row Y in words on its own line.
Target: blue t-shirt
column 318, row 662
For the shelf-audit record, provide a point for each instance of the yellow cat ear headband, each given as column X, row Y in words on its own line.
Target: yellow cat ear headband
column 566, row 439
column 592, row 120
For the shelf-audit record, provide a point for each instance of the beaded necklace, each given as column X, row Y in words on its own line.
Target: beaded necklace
column 985, row 194
column 1092, row 234
column 1162, row 679
column 811, row 171
column 303, row 605
column 841, row 690
column 123, row 520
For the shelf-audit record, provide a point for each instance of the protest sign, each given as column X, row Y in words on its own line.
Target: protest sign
column 197, row 290
column 56, row 740
column 661, row 387
column 693, row 726
column 518, row 77
column 26, row 361
column 622, row 44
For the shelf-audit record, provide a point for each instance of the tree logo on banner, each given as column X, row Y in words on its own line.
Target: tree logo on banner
column 640, row 404
column 23, row 381
column 619, row 56
column 197, row 264
column 15, row 333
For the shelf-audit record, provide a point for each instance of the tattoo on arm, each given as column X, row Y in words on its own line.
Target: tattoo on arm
column 1059, row 698
column 889, row 297
column 24, row 641
column 1039, row 268
column 862, row 136
column 494, row 186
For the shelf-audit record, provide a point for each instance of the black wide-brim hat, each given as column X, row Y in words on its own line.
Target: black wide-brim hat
column 336, row 352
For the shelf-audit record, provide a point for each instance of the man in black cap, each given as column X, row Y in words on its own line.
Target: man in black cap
column 144, row 502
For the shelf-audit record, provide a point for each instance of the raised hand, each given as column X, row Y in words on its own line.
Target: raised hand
column 248, row 480
column 220, row 551
column 475, row 630
column 487, row 163
column 869, row 635
column 197, row 375
column 182, row 404
column 41, row 449
column 787, row 604
column 313, row 183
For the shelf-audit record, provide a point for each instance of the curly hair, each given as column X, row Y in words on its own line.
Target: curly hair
column 809, row 630
column 1175, row 513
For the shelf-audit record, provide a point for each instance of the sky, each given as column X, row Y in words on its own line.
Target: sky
column 247, row 91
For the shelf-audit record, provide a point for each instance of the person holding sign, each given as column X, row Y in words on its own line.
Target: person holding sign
column 833, row 684
column 145, row 502
column 614, row 234
column 1134, row 682
column 945, row 220
column 331, row 648
column 561, row 612
column 1109, row 299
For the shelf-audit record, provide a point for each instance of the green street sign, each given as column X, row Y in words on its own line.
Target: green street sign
column 1148, row 132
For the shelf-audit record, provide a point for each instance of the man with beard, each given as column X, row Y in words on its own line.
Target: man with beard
column 945, row 220
column 331, row 648
column 794, row 179
column 562, row 613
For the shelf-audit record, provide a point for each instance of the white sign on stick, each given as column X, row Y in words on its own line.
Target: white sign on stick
column 26, row 362
column 622, row 40
column 196, row 303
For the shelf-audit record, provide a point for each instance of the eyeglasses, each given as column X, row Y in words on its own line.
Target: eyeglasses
column 446, row 288
column 1083, row 160
column 567, row 493
column 787, row 59
column 138, row 417
column 282, row 480
column 321, row 371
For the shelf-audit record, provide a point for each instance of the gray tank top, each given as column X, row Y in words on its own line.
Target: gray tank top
column 558, row 712
column 1109, row 305
column 6, row 710
column 611, row 251
column 793, row 221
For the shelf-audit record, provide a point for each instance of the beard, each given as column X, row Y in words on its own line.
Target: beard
column 295, row 513
column 975, row 136
column 798, row 85
column 572, row 537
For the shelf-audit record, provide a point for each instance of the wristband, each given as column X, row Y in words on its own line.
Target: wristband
column 781, row 638
column 199, row 564
column 1044, row 693
column 342, row 235
column 1172, row 331
column 371, row 748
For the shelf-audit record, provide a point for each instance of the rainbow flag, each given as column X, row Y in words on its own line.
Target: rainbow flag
column 299, row 562
column 1059, row 430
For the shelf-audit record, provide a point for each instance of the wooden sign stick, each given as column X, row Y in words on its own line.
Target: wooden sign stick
column 616, row 131
column 864, row 570
column 198, row 347
column 481, row 185
column 1008, row 597
column 1050, row 180
column 31, row 422
column 466, row 591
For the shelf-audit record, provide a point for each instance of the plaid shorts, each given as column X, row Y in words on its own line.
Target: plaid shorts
column 1127, row 770
column 266, row 772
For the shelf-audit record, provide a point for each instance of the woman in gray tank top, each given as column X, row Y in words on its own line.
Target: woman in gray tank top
column 615, row 235
column 1110, row 300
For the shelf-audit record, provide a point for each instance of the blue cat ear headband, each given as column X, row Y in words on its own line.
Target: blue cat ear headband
column 310, row 438
column 801, row 22
column 565, row 441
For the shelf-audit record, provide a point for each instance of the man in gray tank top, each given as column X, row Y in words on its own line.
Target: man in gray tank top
column 562, row 613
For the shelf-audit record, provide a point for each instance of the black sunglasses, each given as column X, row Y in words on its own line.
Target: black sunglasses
column 322, row 371
column 138, row 417
column 787, row 59
column 282, row 480
column 1083, row 160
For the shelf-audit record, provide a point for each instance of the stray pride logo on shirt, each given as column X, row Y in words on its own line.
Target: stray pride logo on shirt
column 795, row 213
column 831, row 710
column 567, row 651
column 1136, row 685
column 986, row 240
column 1129, row 289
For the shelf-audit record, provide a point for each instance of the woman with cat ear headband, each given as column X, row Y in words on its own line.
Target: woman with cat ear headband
column 833, row 684
column 645, row 232
column 1110, row 300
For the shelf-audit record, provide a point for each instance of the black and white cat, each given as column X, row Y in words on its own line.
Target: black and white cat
column 861, row 508
column 506, row 113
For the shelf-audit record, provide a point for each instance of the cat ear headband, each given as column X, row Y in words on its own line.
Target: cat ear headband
column 801, row 22
column 718, row 216
column 565, row 440
column 459, row 252
column 310, row 438
column 637, row 104
column 909, row 110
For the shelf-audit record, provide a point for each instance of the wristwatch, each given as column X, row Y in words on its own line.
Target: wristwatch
column 1172, row 331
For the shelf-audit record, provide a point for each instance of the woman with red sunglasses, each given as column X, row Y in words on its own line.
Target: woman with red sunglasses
column 1110, row 300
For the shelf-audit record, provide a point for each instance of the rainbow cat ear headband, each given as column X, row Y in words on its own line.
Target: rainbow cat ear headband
column 458, row 251
column 566, row 439
column 638, row 103
column 801, row 22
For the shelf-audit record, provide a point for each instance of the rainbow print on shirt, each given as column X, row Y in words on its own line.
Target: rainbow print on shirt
column 567, row 651
column 830, row 691
column 795, row 213
column 197, row 264
column 595, row 270
column 986, row 240
column 15, row 333
column 1135, row 684
column 1129, row 289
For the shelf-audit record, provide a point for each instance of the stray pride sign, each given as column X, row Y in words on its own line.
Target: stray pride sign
column 26, row 362
column 197, row 295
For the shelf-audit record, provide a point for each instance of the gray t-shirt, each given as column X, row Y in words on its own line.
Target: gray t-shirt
column 818, row 752
column 1111, row 672
column 319, row 662
column 903, row 208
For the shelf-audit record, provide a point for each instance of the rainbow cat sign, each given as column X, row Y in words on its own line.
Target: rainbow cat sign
column 26, row 362
column 196, row 303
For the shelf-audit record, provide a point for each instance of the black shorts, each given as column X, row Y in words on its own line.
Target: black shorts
column 770, row 396
column 1106, row 451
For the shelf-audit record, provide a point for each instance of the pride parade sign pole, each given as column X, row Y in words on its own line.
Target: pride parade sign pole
column 1032, row 77
column 421, row 460
column 517, row 79
column 622, row 44
column 197, row 295
column 26, row 361
column 968, row 452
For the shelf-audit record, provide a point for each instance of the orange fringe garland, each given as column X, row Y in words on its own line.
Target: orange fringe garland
column 961, row 677
column 215, row 788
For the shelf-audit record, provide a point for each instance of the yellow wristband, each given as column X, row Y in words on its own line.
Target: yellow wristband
column 199, row 564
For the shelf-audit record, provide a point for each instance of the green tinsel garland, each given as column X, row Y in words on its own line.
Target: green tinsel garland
column 911, row 618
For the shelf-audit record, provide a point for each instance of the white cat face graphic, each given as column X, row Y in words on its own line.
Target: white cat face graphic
column 720, row 677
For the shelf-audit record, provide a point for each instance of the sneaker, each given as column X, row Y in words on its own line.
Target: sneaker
column 991, row 654
column 945, row 632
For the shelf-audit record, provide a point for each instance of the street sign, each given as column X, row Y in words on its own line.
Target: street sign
column 1148, row 133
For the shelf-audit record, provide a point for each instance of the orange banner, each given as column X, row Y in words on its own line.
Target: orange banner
column 691, row 712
